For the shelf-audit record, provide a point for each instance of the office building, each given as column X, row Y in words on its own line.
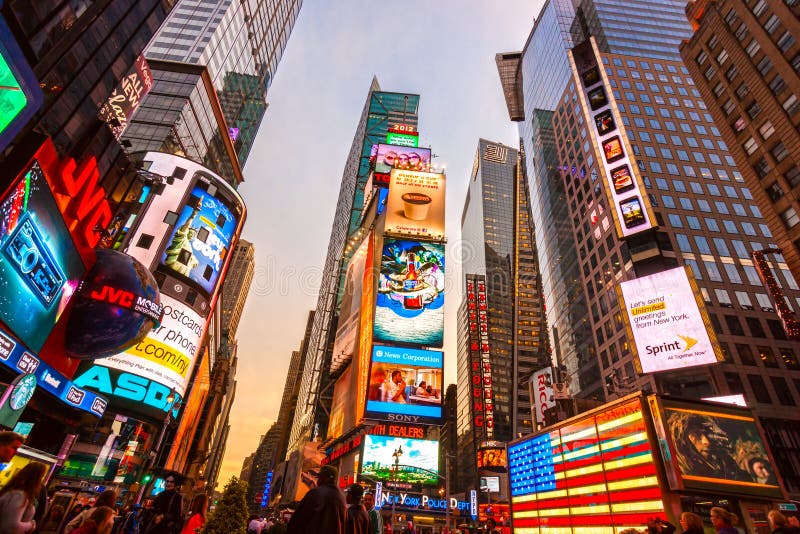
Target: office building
column 237, row 286
column 745, row 59
column 262, row 464
column 705, row 215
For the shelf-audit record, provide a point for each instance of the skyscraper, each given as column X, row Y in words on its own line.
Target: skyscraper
column 704, row 215
column 502, row 332
column 237, row 286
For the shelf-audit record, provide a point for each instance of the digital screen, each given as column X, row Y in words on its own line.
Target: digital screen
column 388, row 157
column 591, row 77
column 489, row 458
column 597, row 98
column 632, row 212
column 410, row 301
column 345, row 345
column 201, row 239
column 490, row 484
column 622, row 179
column 718, row 449
column 612, row 148
column 667, row 323
column 126, row 97
column 418, row 463
column 39, row 264
column 415, row 206
column 605, row 122
column 401, row 139
column 405, row 381
column 557, row 473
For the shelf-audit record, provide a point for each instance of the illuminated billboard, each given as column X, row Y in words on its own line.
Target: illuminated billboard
column 714, row 448
column 623, row 186
column 39, row 264
column 345, row 346
column 201, row 238
column 410, row 302
column 594, row 473
column 20, row 94
column 667, row 322
column 342, row 413
column 388, row 157
column 492, row 459
column 418, row 463
column 403, row 134
column 126, row 97
column 542, row 394
column 405, row 385
column 415, row 206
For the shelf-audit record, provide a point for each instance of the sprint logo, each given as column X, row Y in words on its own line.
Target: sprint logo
column 675, row 345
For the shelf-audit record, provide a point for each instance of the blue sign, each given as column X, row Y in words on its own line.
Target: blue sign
column 17, row 357
column 267, row 484
column 473, row 504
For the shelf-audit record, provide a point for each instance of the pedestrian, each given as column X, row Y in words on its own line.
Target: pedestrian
column 656, row 525
column 197, row 514
column 723, row 521
column 410, row 528
column 779, row 524
column 167, row 509
column 108, row 498
column 357, row 517
column 100, row 521
column 691, row 523
column 322, row 509
column 375, row 519
column 491, row 526
column 10, row 442
column 133, row 520
column 254, row 526
column 794, row 521
column 18, row 499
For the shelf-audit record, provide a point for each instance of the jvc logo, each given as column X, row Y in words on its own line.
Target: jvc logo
column 112, row 295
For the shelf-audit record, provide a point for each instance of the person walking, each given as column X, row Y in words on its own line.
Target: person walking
column 779, row 524
column 357, row 517
column 100, row 521
column 410, row 528
column 108, row 499
column 691, row 523
column 723, row 521
column 375, row 519
column 322, row 509
column 167, row 509
column 197, row 514
column 18, row 499
column 133, row 520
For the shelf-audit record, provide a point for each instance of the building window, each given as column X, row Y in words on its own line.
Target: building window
column 774, row 191
column 731, row 73
column 762, row 167
column 789, row 358
column 759, row 7
column 791, row 105
column 779, row 152
column 772, row 24
column 745, row 354
column 766, row 130
column 793, row 176
column 728, row 107
column 759, row 389
column 790, row 218
column 786, row 41
column 752, row 48
column 145, row 241
column 734, row 325
column 756, row 330
column 750, row 146
column 764, row 66
column 766, row 355
column 701, row 58
column 722, row 57
column 782, row 390
column 742, row 91
column 777, row 85
column 753, row 110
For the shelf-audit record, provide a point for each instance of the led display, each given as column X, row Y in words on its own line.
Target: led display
column 492, row 458
column 388, row 157
column 201, row 239
column 415, row 206
column 20, row 94
column 410, row 301
column 39, row 264
column 405, row 385
column 595, row 473
column 418, row 463
column 126, row 97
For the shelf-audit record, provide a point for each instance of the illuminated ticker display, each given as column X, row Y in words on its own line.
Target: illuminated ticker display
column 597, row 473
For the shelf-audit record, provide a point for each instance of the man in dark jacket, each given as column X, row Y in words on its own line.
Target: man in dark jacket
column 357, row 517
column 322, row 509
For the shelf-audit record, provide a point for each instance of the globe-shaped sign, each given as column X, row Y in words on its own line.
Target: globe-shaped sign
column 116, row 306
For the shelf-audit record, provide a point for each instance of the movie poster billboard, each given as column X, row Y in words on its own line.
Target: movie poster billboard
column 201, row 238
column 342, row 412
column 492, row 459
column 714, row 448
column 410, row 302
column 405, row 385
column 39, row 264
column 667, row 321
column 345, row 345
column 418, row 464
column 415, row 206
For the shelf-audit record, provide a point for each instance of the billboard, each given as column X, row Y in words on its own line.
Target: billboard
column 20, row 96
column 410, row 302
column 492, row 459
column 39, row 264
column 418, row 463
column 403, row 134
column 623, row 187
column 405, row 385
column 714, row 448
column 126, row 97
column 201, row 238
column 167, row 354
column 542, row 393
column 388, row 157
column 415, row 205
column 667, row 322
column 342, row 413
column 345, row 346
column 594, row 472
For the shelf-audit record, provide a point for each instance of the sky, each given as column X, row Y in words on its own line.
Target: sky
column 442, row 50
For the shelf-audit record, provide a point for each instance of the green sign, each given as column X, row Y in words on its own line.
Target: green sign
column 12, row 98
column 402, row 139
column 20, row 93
column 15, row 398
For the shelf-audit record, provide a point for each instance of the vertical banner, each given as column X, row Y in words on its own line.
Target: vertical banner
column 543, row 394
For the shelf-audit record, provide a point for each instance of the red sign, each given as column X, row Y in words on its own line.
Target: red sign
column 403, row 129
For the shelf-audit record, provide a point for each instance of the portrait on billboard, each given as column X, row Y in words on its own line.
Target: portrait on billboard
column 388, row 157
column 410, row 302
column 492, row 459
column 719, row 448
column 201, row 239
column 418, row 463
column 612, row 148
column 605, row 122
column 345, row 346
column 405, row 381
column 39, row 264
column 416, row 204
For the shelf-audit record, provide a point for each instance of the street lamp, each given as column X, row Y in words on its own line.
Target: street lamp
column 396, row 455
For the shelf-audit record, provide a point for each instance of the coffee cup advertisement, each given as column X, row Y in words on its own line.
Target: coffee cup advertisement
column 416, row 204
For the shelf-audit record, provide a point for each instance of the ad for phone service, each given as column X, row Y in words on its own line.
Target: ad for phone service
column 40, row 267
column 415, row 206
column 201, row 239
column 410, row 302
column 667, row 321
column 405, row 385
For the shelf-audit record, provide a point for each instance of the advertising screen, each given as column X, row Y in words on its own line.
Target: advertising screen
column 126, row 97
column 167, row 355
column 592, row 473
column 388, row 157
column 21, row 95
column 405, row 385
column 342, row 411
column 492, row 458
column 39, row 264
column 410, row 302
column 418, row 464
column 201, row 239
column 415, row 205
column 717, row 448
column 345, row 346
column 668, row 322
